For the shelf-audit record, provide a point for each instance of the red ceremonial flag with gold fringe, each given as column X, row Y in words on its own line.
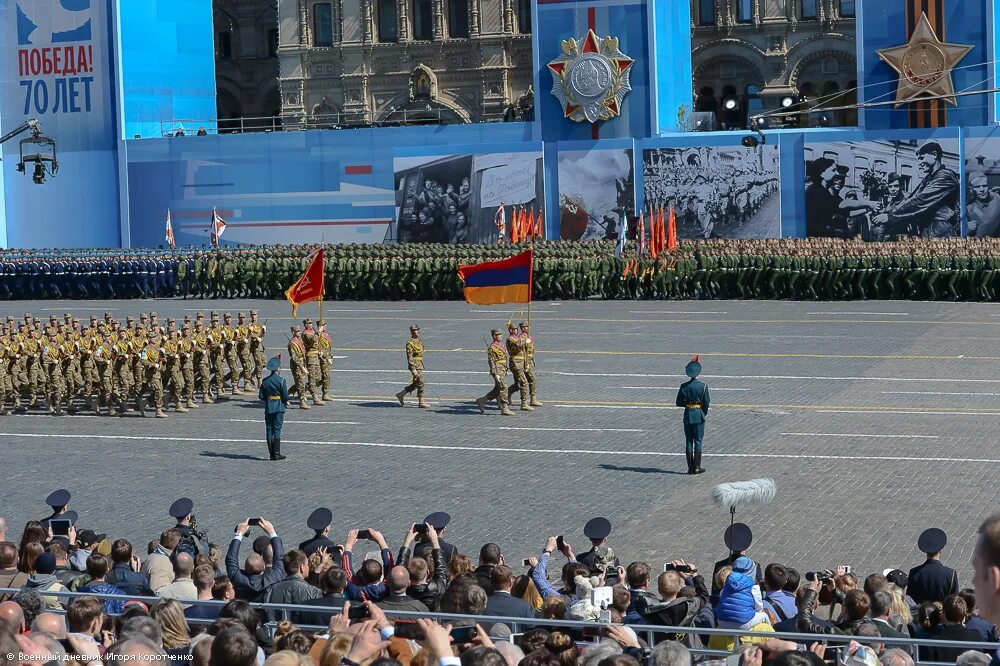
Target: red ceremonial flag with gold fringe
column 672, row 231
column 310, row 286
column 540, row 225
column 531, row 225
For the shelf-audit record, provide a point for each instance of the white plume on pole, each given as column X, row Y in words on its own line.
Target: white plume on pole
column 755, row 491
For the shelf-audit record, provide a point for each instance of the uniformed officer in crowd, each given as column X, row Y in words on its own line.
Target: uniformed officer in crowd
column 439, row 520
column 193, row 541
column 600, row 559
column 694, row 397
column 932, row 580
column 58, row 500
column 274, row 392
column 319, row 521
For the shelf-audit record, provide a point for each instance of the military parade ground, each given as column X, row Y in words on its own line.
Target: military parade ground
column 860, row 412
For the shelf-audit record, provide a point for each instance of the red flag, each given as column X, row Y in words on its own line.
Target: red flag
column 310, row 286
column 531, row 225
column 515, row 225
column 672, row 232
column 170, row 233
column 540, row 224
column 654, row 241
column 642, row 234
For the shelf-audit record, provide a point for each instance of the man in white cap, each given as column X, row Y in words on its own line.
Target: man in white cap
column 694, row 398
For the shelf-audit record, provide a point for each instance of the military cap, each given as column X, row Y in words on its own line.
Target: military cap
column 496, row 331
column 187, row 319
column 439, row 520
column 67, row 315
column 53, row 318
column 274, row 363
column 152, row 315
column 58, row 498
column 171, row 320
column 200, row 315
column 253, row 313
column 320, row 519
column 307, row 321
column 228, row 315
column 27, row 315
column 75, row 320
column 240, row 315
column 597, row 528
column 932, row 540
column 693, row 368
column 523, row 324
column 142, row 315
column 321, row 322
column 128, row 319
column 181, row 508
column 738, row 537
column 296, row 329
column 151, row 334
column 107, row 315
column 215, row 315
column 414, row 327
column 930, row 147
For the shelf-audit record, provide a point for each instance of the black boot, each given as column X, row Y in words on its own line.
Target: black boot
column 697, row 463
column 277, row 449
column 270, row 447
column 690, row 460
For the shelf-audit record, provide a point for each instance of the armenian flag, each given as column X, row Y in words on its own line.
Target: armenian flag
column 496, row 282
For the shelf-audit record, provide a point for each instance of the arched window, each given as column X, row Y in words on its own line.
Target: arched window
column 322, row 24
column 423, row 25
column 523, row 16
column 744, row 11
column 272, row 43
column 809, row 9
column 847, row 8
column 388, row 23
column 458, row 18
column 706, row 12
column 224, row 45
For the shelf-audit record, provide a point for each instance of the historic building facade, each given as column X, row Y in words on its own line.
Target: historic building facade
column 369, row 62
column 246, row 61
column 751, row 56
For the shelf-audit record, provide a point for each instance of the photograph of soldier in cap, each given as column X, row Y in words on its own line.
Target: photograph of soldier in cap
column 883, row 190
column 716, row 191
column 982, row 199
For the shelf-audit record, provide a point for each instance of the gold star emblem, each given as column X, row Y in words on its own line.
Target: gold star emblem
column 924, row 64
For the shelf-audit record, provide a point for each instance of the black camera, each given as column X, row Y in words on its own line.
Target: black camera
column 822, row 576
column 682, row 569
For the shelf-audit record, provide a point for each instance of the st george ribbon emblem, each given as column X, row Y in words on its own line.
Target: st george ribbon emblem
column 591, row 78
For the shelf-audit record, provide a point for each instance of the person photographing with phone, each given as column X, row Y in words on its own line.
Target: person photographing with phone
column 367, row 582
column 429, row 592
column 255, row 576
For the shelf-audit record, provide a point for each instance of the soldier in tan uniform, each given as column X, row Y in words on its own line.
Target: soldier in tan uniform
column 325, row 360
column 203, row 368
column 496, row 354
column 52, row 357
column 229, row 353
column 243, row 352
column 297, row 362
column 186, row 345
column 216, row 346
column 121, row 369
column 257, row 333
column 311, row 340
column 151, row 358
column 415, row 364
column 515, row 351
column 172, row 368
column 529, row 365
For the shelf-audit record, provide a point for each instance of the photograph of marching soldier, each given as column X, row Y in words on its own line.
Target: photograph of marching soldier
column 883, row 190
column 595, row 187
column 453, row 199
column 982, row 198
column 716, row 191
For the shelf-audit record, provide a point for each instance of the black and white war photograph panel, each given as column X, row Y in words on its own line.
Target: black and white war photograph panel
column 454, row 198
column 883, row 190
column 716, row 191
column 596, row 187
column 982, row 175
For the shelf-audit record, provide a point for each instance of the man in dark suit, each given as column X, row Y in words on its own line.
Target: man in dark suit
column 501, row 603
column 274, row 392
column 881, row 609
column 953, row 629
column 932, row 581
column 319, row 522
column 693, row 396
column 489, row 557
column 255, row 577
column 439, row 520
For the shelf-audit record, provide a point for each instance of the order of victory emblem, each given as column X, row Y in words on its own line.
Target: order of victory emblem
column 591, row 78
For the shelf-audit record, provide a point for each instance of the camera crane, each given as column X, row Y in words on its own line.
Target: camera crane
column 42, row 150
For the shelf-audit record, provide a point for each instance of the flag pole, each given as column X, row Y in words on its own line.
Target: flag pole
column 531, row 285
column 322, row 291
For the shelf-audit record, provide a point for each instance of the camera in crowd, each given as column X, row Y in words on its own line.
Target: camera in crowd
column 822, row 576
column 685, row 569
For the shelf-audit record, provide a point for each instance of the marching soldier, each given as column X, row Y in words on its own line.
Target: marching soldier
column 201, row 359
column 186, row 346
column 529, row 365
column 257, row 333
column 325, row 361
column 216, row 344
column 496, row 354
column 515, row 351
column 151, row 358
column 172, row 370
column 310, row 339
column 229, row 354
column 243, row 350
column 297, row 362
column 52, row 357
column 415, row 364
column 121, row 369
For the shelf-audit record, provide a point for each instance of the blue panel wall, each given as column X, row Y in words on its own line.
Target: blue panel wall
column 288, row 187
column 670, row 53
column 168, row 64
column 56, row 65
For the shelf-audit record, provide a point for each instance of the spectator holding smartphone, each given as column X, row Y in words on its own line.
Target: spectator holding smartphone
column 424, row 586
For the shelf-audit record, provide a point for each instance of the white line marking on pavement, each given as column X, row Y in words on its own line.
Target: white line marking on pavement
column 302, row 422
column 618, row 406
column 852, row 434
column 339, row 357
column 435, row 383
column 64, row 416
column 403, row 371
column 677, row 312
column 884, row 314
column 507, row 449
column 900, row 411
column 674, row 388
column 776, row 377
column 933, row 393
column 573, row 429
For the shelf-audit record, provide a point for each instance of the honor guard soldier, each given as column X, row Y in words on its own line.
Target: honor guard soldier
column 600, row 558
column 496, row 354
column 439, row 521
column 694, row 398
column 415, row 364
column 515, row 351
column 319, row 522
column 257, row 333
column 297, row 361
column 932, row 581
column 59, row 501
column 325, row 360
column 529, row 364
column 310, row 338
column 192, row 541
column 274, row 392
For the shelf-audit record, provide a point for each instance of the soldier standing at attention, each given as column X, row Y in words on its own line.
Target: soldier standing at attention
column 496, row 353
column 297, row 361
column 325, row 360
column 311, row 340
column 274, row 392
column 694, row 398
column 529, row 364
column 415, row 363
column 515, row 351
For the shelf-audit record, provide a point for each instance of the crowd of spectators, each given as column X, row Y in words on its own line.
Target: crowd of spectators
column 365, row 594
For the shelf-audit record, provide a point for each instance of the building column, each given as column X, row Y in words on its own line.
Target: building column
column 508, row 17
column 303, row 24
column 367, row 24
column 437, row 11
column 402, row 20
column 338, row 21
column 474, row 18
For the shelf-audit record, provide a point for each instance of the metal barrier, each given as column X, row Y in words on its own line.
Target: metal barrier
column 517, row 625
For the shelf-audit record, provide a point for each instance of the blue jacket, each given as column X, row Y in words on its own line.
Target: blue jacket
column 736, row 600
column 783, row 600
column 274, row 392
column 693, row 392
column 111, row 606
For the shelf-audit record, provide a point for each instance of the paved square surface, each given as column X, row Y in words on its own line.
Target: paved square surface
column 876, row 420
